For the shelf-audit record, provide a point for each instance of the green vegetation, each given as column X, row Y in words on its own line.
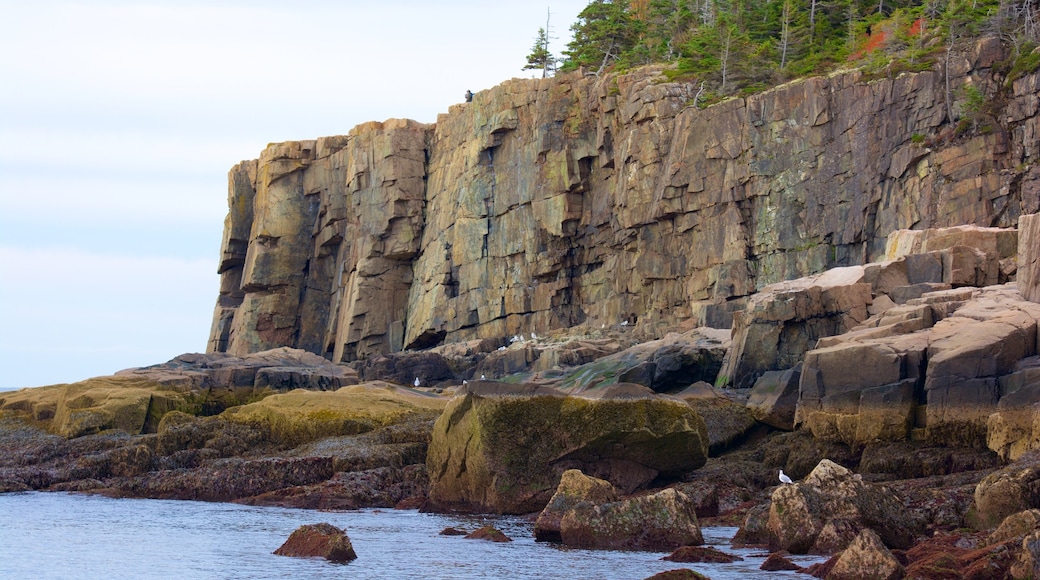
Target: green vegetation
column 733, row 47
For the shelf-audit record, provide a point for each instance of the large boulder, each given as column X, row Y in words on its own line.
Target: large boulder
column 661, row 521
column 502, row 448
column 1011, row 490
column 301, row 416
column 826, row 511
column 318, row 540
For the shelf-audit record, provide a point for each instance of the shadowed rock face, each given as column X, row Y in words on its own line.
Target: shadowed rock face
column 557, row 202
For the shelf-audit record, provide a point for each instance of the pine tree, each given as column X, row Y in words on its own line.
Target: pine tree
column 604, row 32
column 540, row 57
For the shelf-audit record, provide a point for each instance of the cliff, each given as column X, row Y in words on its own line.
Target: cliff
column 576, row 200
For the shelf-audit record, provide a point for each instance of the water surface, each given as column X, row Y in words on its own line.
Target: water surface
column 72, row 536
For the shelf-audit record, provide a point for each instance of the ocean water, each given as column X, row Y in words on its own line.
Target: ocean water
column 72, row 536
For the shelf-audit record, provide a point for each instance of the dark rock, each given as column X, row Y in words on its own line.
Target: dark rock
column 774, row 398
column 1013, row 489
column 488, row 533
column 777, row 562
column 680, row 574
column 404, row 367
column 318, row 540
column 692, row 554
column 450, row 531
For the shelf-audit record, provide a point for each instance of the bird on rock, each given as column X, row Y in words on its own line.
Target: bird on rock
column 416, row 381
column 784, row 478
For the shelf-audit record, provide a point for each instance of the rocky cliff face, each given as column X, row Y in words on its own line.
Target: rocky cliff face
column 590, row 201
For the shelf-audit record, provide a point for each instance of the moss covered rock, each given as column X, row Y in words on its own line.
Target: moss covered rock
column 502, row 448
column 301, row 416
column 127, row 403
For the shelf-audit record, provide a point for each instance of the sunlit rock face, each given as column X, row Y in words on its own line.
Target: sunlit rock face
column 568, row 201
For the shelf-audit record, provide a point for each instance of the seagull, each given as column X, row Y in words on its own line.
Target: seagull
column 416, row 381
column 784, row 478
column 483, row 378
column 533, row 337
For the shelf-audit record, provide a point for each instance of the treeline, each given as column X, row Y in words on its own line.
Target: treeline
column 735, row 46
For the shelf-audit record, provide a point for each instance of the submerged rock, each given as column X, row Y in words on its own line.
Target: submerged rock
column 489, row 533
column 318, row 540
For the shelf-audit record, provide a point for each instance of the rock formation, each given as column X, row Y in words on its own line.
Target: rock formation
column 599, row 201
column 502, row 448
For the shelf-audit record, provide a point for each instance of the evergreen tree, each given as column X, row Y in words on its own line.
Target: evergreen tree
column 540, row 57
column 605, row 30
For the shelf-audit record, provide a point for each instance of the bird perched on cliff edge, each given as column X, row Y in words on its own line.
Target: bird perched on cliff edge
column 416, row 382
column 784, row 478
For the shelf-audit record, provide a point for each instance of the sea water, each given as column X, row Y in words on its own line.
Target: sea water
column 72, row 536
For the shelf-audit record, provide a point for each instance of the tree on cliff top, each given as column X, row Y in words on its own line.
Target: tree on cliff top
column 743, row 46
column 605, row 31
column 540, row 57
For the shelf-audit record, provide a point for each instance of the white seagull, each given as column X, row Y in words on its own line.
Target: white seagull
column 784, row 478
column 483, row 378
column 533, row 337
column 416, row 381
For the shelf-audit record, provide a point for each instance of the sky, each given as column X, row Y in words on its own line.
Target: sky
column 120, row 119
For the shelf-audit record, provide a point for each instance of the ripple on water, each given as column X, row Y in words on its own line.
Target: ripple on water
column 70, row 536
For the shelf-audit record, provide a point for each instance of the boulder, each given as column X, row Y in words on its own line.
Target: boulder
column 502, row 448
column 1016, row 525
column 318, row 541
column 1027, row 564
column 777, row 562
column 300, row 416
column 1013, row 489
column 774, row 398
column 661, row 521
column 1014, row 426
column 823, row 513
column 866, row 558
column 575, row 487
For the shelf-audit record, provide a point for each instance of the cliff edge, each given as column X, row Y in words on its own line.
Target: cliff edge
column 573, row 200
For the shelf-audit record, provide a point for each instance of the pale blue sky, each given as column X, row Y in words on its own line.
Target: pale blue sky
column 120, row 119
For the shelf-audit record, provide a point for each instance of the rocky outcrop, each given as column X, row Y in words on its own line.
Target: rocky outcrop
column 596, row 201
column 502, row 448
column 828, row 510
column 318, row 540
